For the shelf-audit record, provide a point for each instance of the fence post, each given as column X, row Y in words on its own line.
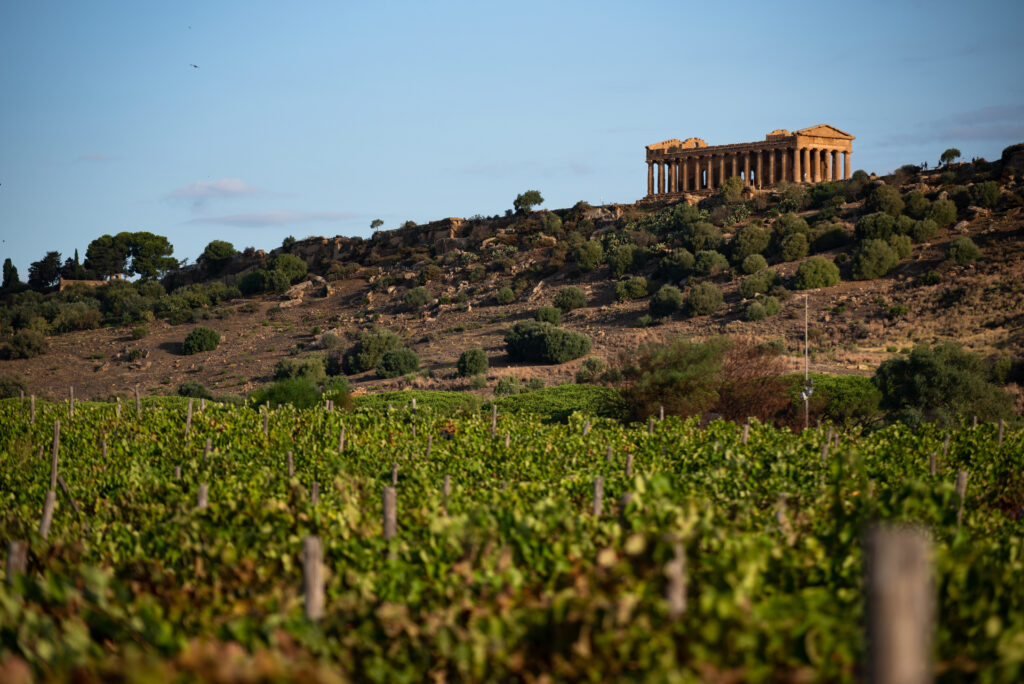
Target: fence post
column 675, row 572
column 661, row 413
column 650, row 425
column 746, row 432
column 414, row 404
column 390, row 505
column 177, row 472
column 586, row 428
column 71, row 401
column 32, row 407
column 608, row 454
column 266, row 422
column 598, row 495
column 291, row 465
column 508, row 440
column 341, row 440
column 900, row 606
column 314, row 494
column 313, row 577
column 17, row 559
column 117, row 409
column 188, row 418
column 629, row 465
column 103, row 447
column 494, row 420
column 202, row 404
column 48, row 504
column 202, row 500
column 394, row 474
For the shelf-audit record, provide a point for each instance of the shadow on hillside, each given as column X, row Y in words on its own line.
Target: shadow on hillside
column 171, row 348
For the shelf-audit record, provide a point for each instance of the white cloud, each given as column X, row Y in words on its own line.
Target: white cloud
column 276, row 218
column 201, row 192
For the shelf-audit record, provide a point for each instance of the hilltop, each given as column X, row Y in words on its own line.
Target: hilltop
column 483, row 274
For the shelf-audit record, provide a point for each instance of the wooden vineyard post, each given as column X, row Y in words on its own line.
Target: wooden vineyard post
column 650, row 425
column 48, row 504
column 291, row 465
column 32, row 408
column 188, row 418
column 598, row 495
column 494, row 420
column 54, row 454
column 413, row 430
column 945, row 448
column 430, row 444
column 341, row 440
column 508, row 440
column 314, row 493
column 414, row 404
column 17, row 559
column 586, row 428
column 117, row 409
column 624, row 503
column 932, row 465
column 629, row 465
column 661, row 414
column 900, row 605
column 177, row 472
column 446, row 491
column 974, row 422
column 675, row 573
column 313, row 577
column 103, row 448
column 389, row 500
column 71, row 401
column 207, row 449
column 961, row 491
column 138, row 403
column 203, row 498
column 266, row 423
column 202, row 404
column 608, row 454
column 746, row 432
column 394, row 474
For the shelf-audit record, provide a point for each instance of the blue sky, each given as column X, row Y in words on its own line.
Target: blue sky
column 314, row 118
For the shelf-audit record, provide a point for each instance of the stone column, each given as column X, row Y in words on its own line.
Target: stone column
column 711, row 178
column 828, row 164
column 684, row 163
column 846, row 165
column 746, row 168
column 671, row 175
column 760, row 167
column 650, row 178
column 721, row 169
column 661, row 178
column 783, row 159
column 735, row 159
column 771, row 167
column 803, row 163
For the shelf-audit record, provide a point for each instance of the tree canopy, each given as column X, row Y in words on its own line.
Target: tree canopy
column 526, row 201
column 45, row 272
column 150, row 255
column 949, row 156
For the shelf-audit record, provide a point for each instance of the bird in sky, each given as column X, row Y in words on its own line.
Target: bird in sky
column 195, row 66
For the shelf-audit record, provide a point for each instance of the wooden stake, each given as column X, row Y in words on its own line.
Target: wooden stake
column 71, row 401
column 413, row 430
column 177, row 472
column 608, row 454
column 414, row 404
column 103, row 448
column 32, row 407
column 746, row 433
column 48, row 504
column 394, row 474
column 188, row 418
column 824, row 449
column 945, row 448
column 629, row 465
column 650, row 425
column 17, row 559
column 675, row 573
column 266, row 423
column 389, row 499
column 341, row 440
column 207, row 449
column 586, row 428
column 932, row 465
column 508, row 440
column 661, row 414
column 313, row 577
column 900, row 605
column 446, row 490
column 974, row 422
column 117, row 409
column 961, row 490
column 494, row 420
column 202, row 404
column 202, row 500
column 314, row 494
column 598, row 495
column 291, row 465
column 138, row 402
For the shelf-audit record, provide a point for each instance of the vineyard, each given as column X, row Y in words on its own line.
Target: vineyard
column 522, row 549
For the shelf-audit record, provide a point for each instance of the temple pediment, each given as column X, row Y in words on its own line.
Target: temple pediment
column 825, row 131
column 676, row 144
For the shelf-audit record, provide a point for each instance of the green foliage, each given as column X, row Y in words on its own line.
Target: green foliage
column 11, row 280
column 703, row 299
column 12, row 385
column 590, row 370
column 902, row 245
column 731, row 191
column 944, row 383
column 787, row 225
column 300, row 392
column 536, row 342
column 569, row 298
column 701, row 235
column 749, row 241
column 552, row 223
column 949, row 156
column 195, row 389
column 942, row 212
column 760, row 282
column 916, row 204
column 624, row 259
column 505, row 296
column 397, row 362
column 885, row 199
column 762, row 308
column 924, row 230
column 633, row 288
column 877, row 226
column 440, row 404
column 549, row 314
column 366, row 353
column 794, row 247
column 417, row 297
column 312, row 366
column 985, row 194
column 200, row 339
column 44, row 273
column 588, row 256
column 666, row 301
column 829, row 236
column 816, row 272
column 472, row 362
column 873, row 259
column 526, row 201
column 709, row 262
column 676, row 265
column 558, row 404
column 507, row 385
column 292, row 267
column 754, row 263
column 962, row 250
column 139, row 333
column 534, row 384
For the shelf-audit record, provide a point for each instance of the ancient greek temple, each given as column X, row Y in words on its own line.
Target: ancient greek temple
column 810, row 155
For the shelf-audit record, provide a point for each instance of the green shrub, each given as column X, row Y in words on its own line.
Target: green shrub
column 762, row 281
column 829, row 237
column 902, row 245
column 590, row 370
column 709, row 262
column 701, row 235
column 536, row 342
column 507, row 385
column 754, row 263
column 139, row 333
column 816, row 272
column 534, row 384
column 624, row 259
column 755, row 312
column 549, row 314
column 588, row 256
column 633, row 288
column 417, row 297
column 886, row 199
column 985, row 194
column 478, row 382
column 962, row 250
column 472, row 362
column 277, row 280
column 924, row 230
column 666, row 301
column 703, row 299
column 292, row 267
column 312, row 367
column 943, row 383
column 873, row 259
column 505, row 296
column 300, row 392
column 749, row 241
column 943, row 213
column 397, row 362
column 676, row 265
column 915, row 204
column 786, row 225
column 794, row 247
column 200, row 339
column 877, row 226
column 556, row 404
column 12, row 385
column 195, row 389
column 929, row 278
column 569, row 298
column 365, row 354
column 430, row 272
